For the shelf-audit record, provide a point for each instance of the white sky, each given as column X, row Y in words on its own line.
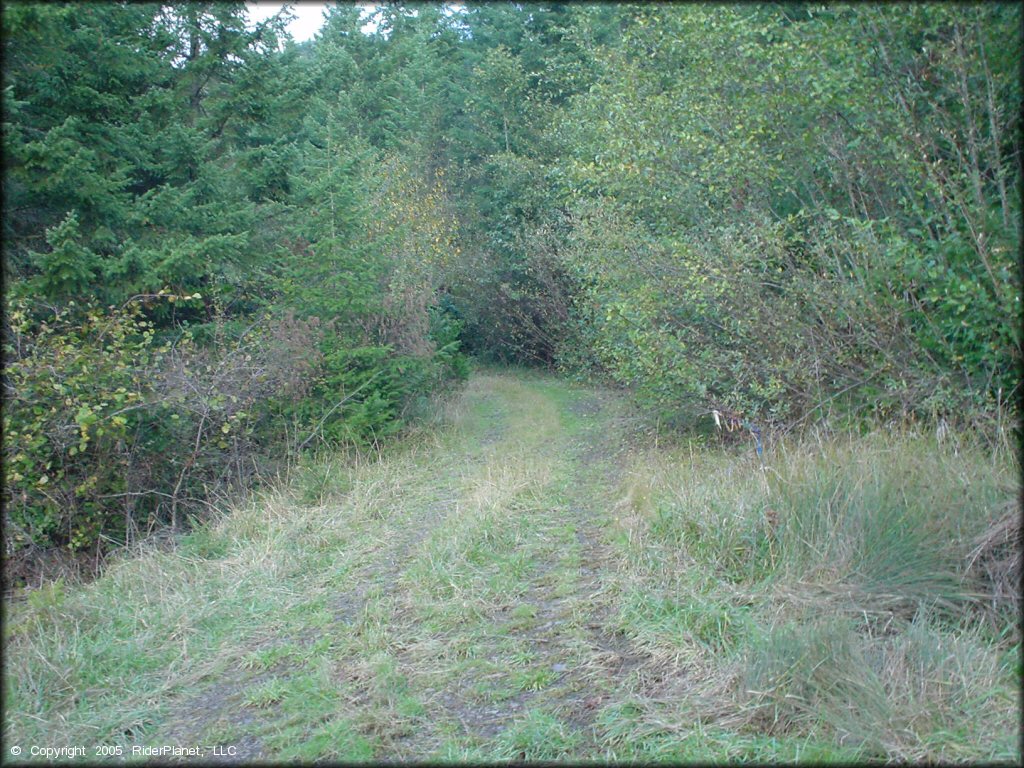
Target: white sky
column 308, row 16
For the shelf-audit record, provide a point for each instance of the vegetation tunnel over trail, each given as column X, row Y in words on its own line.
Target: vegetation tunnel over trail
column 225, row 249
column 245, row 274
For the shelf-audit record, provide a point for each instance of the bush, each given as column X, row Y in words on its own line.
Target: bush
column 831, row 317
column 77, row 397
column 112, row 431
column 886, row 523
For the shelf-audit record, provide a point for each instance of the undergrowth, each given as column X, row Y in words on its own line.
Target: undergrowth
column 835, row 593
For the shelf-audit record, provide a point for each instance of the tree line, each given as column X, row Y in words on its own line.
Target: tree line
column 223, row 248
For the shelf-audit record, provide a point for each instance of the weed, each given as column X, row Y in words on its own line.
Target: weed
column 49, row 597
column 320, row 482
column 267, row 658
column 204, row 542
column 532, row 679
column 270, row 692
column 684, row 622
column 335, row 740
column 537, row 735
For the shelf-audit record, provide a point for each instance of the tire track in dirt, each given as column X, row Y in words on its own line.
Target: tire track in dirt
column 570, row 636
column 406, row 538
column 224, row 701
column 596, row 467
column 386, row 571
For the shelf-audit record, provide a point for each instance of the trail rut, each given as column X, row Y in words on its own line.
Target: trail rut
column 527, row 455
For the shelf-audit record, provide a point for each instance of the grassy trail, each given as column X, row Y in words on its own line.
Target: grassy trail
column 494, row 588
column 447, row 602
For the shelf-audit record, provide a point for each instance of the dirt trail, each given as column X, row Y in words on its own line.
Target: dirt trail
column 523, row 486
column 559, row 621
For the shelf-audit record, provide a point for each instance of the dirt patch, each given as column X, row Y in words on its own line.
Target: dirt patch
column 220, row 706
column 495, row 431
column 481, row 722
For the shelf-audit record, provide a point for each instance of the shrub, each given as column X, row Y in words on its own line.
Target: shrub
column 886, row 523
column 112, row 431
column 801, row 674
column 77, row 390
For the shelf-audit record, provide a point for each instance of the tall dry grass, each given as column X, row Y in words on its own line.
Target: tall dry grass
column 853, row 589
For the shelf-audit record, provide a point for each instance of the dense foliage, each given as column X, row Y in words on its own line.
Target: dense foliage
column 210, row 264
column 824, row 203
column 221, row 246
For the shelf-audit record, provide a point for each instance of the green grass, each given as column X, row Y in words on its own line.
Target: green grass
column 527, row 578
column 831, row 598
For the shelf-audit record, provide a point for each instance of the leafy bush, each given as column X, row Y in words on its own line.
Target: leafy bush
column 77, row 397
column 765, row 233
column 113, row 430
